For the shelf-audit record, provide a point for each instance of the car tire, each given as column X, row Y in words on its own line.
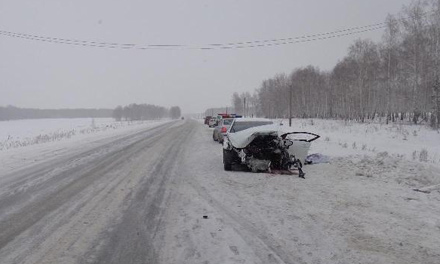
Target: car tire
column 227, row 159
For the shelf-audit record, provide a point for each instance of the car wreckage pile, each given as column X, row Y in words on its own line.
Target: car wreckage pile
column 265, row 149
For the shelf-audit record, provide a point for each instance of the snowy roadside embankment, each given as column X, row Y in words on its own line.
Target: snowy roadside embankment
column 340, row 138
column 26, row 142
column 21, row 133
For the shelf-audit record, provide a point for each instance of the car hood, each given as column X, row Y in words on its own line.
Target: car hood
column 243, row 138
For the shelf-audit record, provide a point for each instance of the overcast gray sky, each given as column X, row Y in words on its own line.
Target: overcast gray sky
column 47, row 75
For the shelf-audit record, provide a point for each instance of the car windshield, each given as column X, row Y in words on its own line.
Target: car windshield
column 227, row 122
column 239, row 126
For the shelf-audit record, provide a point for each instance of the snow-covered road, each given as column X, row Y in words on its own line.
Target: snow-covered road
column 161, row 196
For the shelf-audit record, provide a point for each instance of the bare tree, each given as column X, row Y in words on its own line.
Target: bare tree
column 117, row 113
column 390, row 79
column 237, row 103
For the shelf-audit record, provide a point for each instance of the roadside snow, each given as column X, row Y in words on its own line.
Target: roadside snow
column 340, row 138
column 84, row 134
column 22, row 133
column 360, row 208
column 28, row 128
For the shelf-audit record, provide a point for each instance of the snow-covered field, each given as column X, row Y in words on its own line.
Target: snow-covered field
column 341, row 138
column 19, row 133
column 26, row 142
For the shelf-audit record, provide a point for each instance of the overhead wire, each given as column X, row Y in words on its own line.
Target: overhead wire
column 209, row 46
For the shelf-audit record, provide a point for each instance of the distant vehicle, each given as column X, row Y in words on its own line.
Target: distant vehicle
column 221, row 115
column 207, row 118
column 213, row 122
column 260, row 146
column 228, row 116
column 221, row 129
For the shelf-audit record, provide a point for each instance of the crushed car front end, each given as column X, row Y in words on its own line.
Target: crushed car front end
column 264, row 149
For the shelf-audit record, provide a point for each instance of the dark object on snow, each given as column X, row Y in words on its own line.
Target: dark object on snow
column 205, row 217
column 428, row 189
column 288, row 172
column 422, row 191
column 316, row 158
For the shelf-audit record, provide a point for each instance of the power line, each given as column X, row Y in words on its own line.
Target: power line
column 295, row 38
column 300, row 39
column 210, row 46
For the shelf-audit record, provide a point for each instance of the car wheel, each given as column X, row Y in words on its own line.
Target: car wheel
column 227, row 159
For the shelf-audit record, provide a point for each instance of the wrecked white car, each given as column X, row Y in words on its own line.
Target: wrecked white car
column 259, row 145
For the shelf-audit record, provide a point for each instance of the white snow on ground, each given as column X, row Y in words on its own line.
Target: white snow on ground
column 26, row 142
column 341, row 138
column 360, row 208
column 28, row 128
column 20, row 133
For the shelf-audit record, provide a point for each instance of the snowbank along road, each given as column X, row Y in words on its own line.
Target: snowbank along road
column 161, row 196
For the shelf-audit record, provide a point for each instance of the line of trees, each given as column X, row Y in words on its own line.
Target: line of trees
column 14, row 113
column 145, row 112
column 245, row 104
column 394, row 78
column 175, row 112
column 130, row 112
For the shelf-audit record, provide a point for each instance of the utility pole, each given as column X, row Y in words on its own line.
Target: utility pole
column 244, row 107
column 436, row 101
column 290, row 105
